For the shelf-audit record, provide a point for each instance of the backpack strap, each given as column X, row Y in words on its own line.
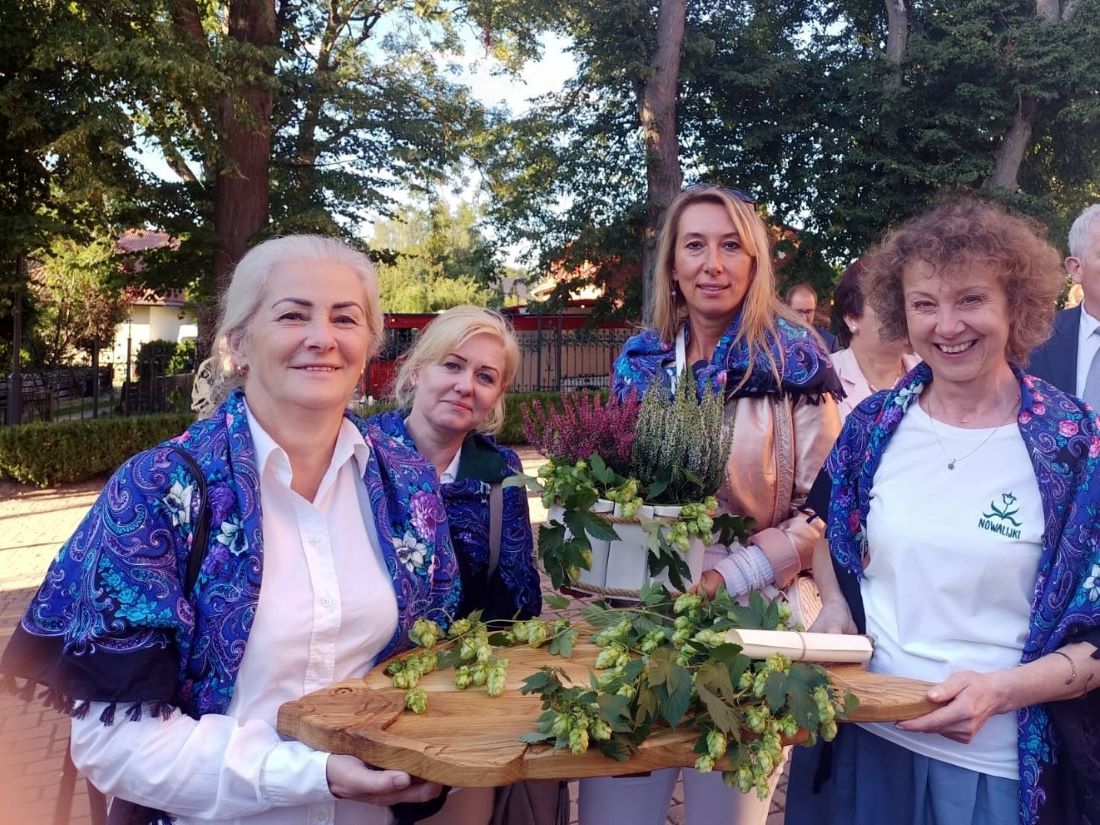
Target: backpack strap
column 202, row 523
column 496, row 526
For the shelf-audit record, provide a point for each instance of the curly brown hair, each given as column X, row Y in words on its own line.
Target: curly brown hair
column 956, row 237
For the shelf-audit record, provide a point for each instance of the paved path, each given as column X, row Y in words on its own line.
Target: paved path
column 33, row 524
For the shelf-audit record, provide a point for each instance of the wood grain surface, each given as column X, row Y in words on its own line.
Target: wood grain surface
column 470, row 739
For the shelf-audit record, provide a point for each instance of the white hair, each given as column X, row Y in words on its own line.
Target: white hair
column 1079, row 232
column 241, row 299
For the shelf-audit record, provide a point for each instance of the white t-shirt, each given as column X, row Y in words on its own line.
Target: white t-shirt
column 953, row 560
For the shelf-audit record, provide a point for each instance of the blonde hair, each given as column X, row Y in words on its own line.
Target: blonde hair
column 241, row 300
column 448, row 331
column 761, row 305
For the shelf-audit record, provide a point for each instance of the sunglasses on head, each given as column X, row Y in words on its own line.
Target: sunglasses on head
column 732, row 191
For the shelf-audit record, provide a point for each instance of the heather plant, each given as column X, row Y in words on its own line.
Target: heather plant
column 680, row 452
column 584, row 426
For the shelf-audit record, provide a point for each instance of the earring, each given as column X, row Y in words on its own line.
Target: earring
column 852, row 328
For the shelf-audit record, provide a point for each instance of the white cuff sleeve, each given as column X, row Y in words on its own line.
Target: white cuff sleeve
column 295, row 774
column 744, row 569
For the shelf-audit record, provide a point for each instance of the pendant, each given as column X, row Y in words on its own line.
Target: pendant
column 951, row 464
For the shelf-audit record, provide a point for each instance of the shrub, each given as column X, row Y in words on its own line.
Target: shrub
column 153, row 358
column 48, row 453
column 183, row 358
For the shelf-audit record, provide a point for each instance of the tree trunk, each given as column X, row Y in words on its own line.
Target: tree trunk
column 1015, row 143
column 897, row 35
column 662, row 145
column 241, row 191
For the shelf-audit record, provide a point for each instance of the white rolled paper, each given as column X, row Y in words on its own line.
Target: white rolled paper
column 801, row 647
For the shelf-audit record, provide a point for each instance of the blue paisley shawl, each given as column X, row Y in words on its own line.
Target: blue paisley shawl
column 807, row 370
column 111, row 621
column 514, row 588
column 1059, row 742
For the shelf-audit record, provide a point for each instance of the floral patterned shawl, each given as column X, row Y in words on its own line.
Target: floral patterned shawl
column 806, row 367
column 1058, row 741
column 111, row 621
column 514, row 588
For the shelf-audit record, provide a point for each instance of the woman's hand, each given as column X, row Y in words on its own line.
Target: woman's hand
column 350, row 778
column 835, row 617
column 970, row 697
column 709, row 583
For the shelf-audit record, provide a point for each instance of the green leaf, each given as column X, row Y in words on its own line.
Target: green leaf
column 448, row 658
column 851, row 702
column 562, row 644
column 725, row 718
column 775, row 691
column 536, row 738
column 716, row 678
column 653, row 593
column 646, row 705
column 676, row 695
column 617, row 748
column 556, row 601
column 615, row 710
column 659, row 666
column 599, row 616
column 501, row 640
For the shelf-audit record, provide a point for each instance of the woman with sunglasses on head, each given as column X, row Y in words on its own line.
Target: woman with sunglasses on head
column 450, row 391
column 716, row 313
column 319, row 549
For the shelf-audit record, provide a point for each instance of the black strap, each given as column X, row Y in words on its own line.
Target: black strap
column 202, row 523
column 496, row 527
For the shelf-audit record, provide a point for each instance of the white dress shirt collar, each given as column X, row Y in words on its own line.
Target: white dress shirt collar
column 349, row 443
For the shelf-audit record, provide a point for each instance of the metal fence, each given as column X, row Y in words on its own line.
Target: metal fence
column 78, row 391
column 552, row 358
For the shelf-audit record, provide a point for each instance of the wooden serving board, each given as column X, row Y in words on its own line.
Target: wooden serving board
column 470, row 739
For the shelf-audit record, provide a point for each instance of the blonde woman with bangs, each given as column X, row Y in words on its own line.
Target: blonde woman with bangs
column 450, row 395
column 717, row 313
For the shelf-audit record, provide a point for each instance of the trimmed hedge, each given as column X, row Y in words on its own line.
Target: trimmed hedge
column 49, row 453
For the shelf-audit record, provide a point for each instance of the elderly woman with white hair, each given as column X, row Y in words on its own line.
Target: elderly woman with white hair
column 321, row 541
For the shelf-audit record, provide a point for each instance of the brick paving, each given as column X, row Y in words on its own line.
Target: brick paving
column 33, row 524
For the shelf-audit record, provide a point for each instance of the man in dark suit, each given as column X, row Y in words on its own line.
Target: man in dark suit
column 1070, row 359
column 802, row 298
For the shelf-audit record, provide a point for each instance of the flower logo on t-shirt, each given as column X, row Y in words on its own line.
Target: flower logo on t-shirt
column 1001, row 518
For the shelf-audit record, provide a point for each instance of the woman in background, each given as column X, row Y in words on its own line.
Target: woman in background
column 866, row 364
column 450, row 391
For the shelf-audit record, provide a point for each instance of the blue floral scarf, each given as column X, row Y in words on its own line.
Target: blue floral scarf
column 806, row 372
column 1063, row 440
column 514, row 589
column 111, row 621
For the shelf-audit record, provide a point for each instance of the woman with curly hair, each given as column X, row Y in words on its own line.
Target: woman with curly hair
column 321, row 542
column 962, row 537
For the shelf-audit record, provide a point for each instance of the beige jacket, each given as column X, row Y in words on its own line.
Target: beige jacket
column 778, row 448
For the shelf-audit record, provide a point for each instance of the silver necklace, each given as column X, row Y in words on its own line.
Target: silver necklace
column 952, row 461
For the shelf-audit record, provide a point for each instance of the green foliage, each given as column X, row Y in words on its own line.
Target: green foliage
column 153, row 358
column 79, row 293
column 664, row 664
column 183, row 359
column 434, row 259
column 680, row 449
column 48, row 453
